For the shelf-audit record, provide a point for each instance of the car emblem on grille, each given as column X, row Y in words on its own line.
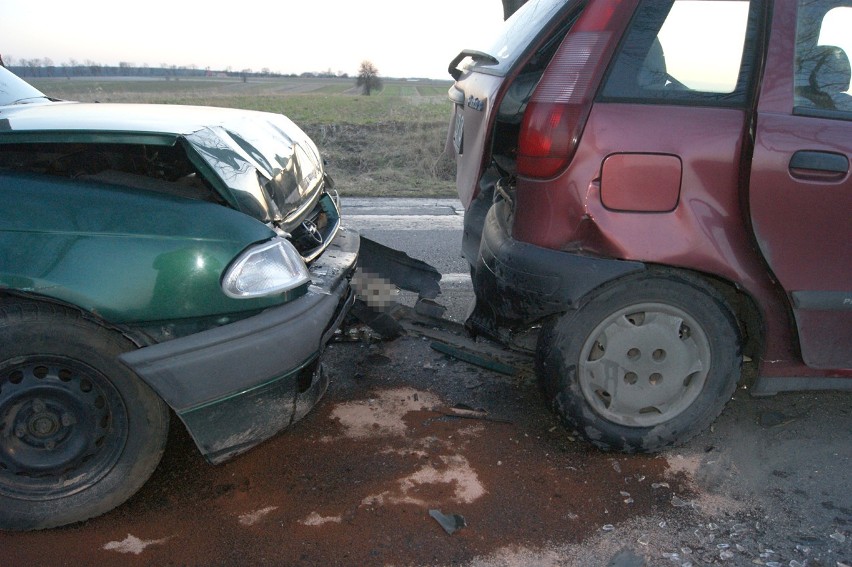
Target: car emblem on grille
column 312, row 231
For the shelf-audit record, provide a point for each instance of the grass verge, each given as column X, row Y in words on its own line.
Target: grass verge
column 390, row 144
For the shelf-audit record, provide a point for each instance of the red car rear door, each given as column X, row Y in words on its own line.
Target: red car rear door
column 800, row 192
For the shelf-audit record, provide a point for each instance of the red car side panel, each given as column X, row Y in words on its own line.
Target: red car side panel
column 704, row 232
column 707, row 232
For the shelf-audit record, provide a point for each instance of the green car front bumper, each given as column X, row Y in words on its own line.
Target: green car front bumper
column 237, row 385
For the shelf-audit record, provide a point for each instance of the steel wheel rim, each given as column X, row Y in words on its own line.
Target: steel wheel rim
column 63, row 427
column 644, row 365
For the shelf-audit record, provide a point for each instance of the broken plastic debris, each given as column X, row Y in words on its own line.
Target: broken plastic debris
column 474, row 359
column 660, row 485
column 608, row 527
column 373, row 289
column 451, row 524
column 837, row 536
column 464, row 410
column 644, row 539
column 429, row 308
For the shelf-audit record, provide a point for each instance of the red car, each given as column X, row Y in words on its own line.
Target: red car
column 658, row 192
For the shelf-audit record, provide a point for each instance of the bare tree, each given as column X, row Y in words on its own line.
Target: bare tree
column 368, row 78
column 510, row 7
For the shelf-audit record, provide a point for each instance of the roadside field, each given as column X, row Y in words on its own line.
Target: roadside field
column 389, row 144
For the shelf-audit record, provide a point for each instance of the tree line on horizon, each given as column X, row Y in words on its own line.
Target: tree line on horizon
column 45, row 67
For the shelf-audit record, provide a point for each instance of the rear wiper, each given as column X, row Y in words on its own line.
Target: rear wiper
column 479, row 56
column 31, row 98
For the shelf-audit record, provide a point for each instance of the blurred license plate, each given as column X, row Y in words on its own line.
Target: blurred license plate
column 459, row 131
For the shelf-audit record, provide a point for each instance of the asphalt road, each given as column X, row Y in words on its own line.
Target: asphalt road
column 407, row 436
column 784, row 461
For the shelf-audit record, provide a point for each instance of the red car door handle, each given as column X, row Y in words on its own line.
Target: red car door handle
column 816, row 165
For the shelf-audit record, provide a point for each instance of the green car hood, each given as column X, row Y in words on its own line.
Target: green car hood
column 261, row 163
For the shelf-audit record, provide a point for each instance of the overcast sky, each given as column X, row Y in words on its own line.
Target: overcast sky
column 402, row 38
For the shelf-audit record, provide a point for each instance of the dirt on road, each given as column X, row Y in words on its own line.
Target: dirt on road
column 407, row 435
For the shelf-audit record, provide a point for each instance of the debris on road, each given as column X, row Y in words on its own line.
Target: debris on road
column 474, row 359
column 451, row 524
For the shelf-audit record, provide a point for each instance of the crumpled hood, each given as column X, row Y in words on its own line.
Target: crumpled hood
column 261, row 162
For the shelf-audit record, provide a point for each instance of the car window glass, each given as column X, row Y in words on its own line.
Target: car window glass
column 519, row 31
column 15, row 90
column 684, row 50
column 703, row 44
column 822, row 69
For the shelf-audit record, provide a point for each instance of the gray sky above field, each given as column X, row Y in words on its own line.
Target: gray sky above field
column 402, row 38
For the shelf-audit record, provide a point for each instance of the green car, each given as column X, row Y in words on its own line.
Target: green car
column 153, row 258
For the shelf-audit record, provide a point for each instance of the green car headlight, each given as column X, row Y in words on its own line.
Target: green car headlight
column 265, row 269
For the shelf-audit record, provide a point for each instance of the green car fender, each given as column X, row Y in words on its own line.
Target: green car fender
column 129, row 256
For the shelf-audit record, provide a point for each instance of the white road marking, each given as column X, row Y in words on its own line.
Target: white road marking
column 404, row 222
column 455, row 278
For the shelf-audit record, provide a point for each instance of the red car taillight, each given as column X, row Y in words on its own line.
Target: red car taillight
column 557, row 110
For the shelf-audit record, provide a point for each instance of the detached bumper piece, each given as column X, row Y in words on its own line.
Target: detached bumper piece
column 237, row 385
column 380, row 271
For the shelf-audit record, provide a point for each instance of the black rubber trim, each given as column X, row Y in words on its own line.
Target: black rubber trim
column 519, row 283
